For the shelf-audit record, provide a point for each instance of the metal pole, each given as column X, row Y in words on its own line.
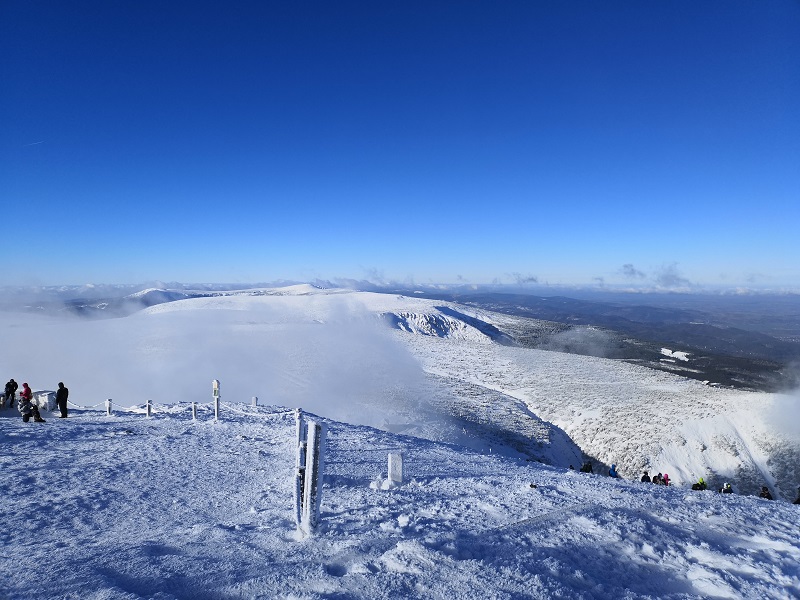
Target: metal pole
column 108, row 407
column 215, row 392
column 194, row 411
column 149, row 408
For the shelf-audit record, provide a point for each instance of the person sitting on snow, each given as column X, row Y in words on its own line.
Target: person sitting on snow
column 665, row 479
column 765, row 493
column 27, row 407
column 612, row 472
column 587, row 467
column 657, row 479
column 700, row 485
column 645, row 478
column 726, row 489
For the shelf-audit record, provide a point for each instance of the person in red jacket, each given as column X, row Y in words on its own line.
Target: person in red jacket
column 27, row 407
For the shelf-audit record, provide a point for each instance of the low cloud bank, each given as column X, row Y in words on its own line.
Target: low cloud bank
column 338, row 362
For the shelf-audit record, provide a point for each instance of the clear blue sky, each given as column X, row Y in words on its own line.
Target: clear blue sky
column 571, row 142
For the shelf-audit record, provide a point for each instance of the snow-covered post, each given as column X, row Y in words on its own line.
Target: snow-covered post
column 149, row 407
column 300, row 465
column 194, row 410
column 108, row 407
column 215, row 392
column 315, row 464
column 395, row 468
column 255, row 401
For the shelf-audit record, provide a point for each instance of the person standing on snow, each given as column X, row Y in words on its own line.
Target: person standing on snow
column 61, row 399
column 665, row 479
column 11, row 390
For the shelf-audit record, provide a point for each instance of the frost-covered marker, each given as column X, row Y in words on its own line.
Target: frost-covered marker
column 315, row 464
column 108, row 407
column 194, row 410
column 215, row 392
column 255, row 401
column 149, row 407
column 395, row 468
column 300, row 465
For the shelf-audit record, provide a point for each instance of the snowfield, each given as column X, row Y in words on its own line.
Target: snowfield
column 166, row 507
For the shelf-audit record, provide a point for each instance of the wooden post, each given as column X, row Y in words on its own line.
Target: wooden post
column 194, row 411
column 255, row 401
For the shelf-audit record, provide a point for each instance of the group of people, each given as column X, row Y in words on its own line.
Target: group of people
column 657, row 479
column 664, row 480
column 27, row 407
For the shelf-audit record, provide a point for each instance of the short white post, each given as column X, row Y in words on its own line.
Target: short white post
column 395, row 468
column 108, row 407
column 215, row 392
column 194, row 410
column 149, row 407
column 315, row 465
column 255, row 401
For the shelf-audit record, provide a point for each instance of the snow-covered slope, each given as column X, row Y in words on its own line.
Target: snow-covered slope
column 130, row 507
column 441, row 371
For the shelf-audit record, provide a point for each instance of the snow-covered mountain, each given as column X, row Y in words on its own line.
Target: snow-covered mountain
column 440, row 370
column 171, row 508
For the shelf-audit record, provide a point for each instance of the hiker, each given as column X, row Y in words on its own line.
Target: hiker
column 612, row 472
column 665, row 479
column 26, row 406
column 11, row 390
column 765, row 493
column 587, row 467
column 61, row 399
column 700, row 485
column 657, row 479
column 726, row 489
column 646, row 478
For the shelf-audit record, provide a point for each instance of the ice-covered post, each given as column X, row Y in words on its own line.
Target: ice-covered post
column 395, row 468
column 215, row 392
column 194, row 410
column 108, row 407
column 255, row 401
column 300, row 465
column 149, row 407
column 315, row 464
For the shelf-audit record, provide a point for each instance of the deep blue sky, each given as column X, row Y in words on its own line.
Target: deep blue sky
column 648, row 143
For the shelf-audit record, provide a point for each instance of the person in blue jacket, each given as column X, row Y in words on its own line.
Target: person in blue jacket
column 613, row 472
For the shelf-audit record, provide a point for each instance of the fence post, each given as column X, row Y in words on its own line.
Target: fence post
column 149, row 407
column 255, row 401
column 194, row 410
column 215, row 392
column 315, row 465
column 108, row 407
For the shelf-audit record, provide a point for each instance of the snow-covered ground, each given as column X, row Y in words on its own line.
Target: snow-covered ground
column 130, row 507
column 99, row 507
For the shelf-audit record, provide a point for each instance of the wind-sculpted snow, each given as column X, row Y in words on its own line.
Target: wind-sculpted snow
column 131, row 507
